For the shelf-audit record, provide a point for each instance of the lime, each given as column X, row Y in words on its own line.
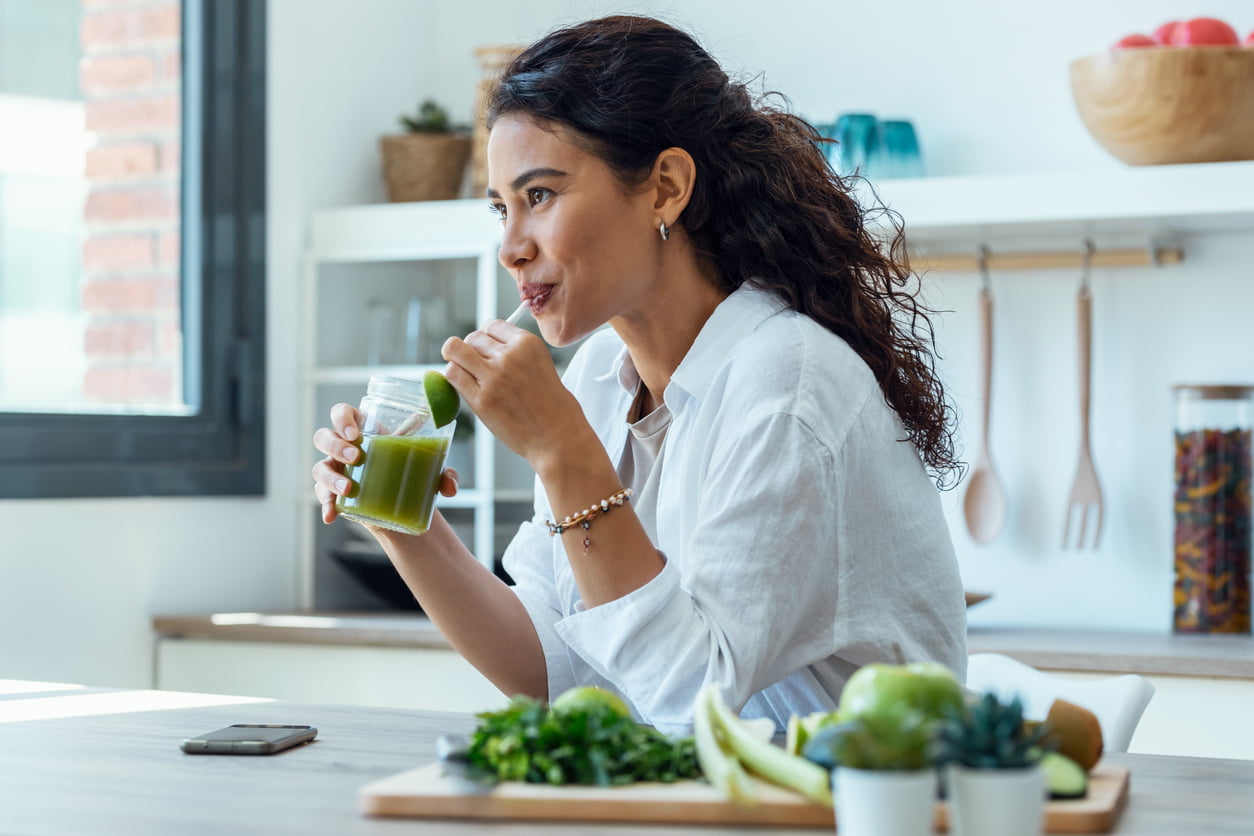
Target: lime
column 442, row 398
column 589, row 698
column 800, row 729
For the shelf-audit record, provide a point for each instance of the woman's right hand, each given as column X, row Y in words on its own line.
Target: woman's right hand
column 339, row 444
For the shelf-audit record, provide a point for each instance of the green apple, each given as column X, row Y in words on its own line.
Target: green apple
column 881, row 690
column 591, row 699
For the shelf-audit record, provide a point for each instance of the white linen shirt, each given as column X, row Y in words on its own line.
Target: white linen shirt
column 801, row 535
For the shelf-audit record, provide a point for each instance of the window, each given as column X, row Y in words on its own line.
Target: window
column 132, row 247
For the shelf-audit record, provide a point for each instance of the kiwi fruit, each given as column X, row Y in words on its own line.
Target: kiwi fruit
column 1075, row 732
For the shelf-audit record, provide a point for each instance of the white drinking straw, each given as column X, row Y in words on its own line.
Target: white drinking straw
column 513, row 318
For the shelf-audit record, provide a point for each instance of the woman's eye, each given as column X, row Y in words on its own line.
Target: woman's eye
column 497, row 209
column 537, row 195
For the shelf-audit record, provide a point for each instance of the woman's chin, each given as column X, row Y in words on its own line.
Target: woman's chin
column 557, row 340
column 554, row 334
column 548, row 333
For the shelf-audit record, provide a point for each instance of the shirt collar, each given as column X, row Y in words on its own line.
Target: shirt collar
column 628, row 377
column 740, row 313
column 624, row 369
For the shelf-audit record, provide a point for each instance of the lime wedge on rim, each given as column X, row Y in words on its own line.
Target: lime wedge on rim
column 442, row 398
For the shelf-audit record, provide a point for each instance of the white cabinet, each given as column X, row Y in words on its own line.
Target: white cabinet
column 431, row 679
column 373, row 276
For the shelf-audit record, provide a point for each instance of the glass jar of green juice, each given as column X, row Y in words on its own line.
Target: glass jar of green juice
column 397, row 476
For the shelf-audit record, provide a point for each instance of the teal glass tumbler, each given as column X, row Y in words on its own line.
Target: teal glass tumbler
column 858, row 145
column 900, row 155
column 827, row 146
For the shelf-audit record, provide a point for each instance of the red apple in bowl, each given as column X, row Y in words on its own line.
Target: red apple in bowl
column 1163, row 33
column 1135, row 40
column 1204, row 31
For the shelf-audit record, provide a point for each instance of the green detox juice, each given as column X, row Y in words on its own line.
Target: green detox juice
column 397, row 479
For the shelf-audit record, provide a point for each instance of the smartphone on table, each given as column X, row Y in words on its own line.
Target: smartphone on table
column 248, row 739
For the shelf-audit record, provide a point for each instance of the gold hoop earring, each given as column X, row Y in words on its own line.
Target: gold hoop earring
column 664, row 231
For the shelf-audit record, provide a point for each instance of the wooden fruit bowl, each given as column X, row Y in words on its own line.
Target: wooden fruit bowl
column 1162, row 105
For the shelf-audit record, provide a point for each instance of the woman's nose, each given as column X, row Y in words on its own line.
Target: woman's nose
column 517, row 247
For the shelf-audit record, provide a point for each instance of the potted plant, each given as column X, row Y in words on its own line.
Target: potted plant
column 428, row 161
column 879, row 747
column 991, row 759
column 883, row 778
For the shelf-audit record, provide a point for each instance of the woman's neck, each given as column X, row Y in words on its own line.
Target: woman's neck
column 659, row 336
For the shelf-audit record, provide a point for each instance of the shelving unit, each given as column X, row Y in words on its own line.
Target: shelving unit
column 1146, row 207
column 403, row 235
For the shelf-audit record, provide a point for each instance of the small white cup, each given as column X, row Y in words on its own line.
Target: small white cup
column 995, row 802
column 878, row 802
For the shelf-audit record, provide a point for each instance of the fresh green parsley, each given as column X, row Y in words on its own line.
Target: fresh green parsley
column 593, row 744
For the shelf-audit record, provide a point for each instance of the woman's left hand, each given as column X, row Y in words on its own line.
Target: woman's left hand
column 507, row 377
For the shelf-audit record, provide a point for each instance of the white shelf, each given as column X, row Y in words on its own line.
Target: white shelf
column 470, row 498
column 515, row 495
column 466, row 498
column 440, row 229
column 1205, row 197
column 1123, row 204
column 362, row 374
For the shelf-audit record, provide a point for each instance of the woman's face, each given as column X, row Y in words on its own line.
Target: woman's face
column 581, row 250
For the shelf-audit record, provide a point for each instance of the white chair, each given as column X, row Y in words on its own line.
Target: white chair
column 1117, row 701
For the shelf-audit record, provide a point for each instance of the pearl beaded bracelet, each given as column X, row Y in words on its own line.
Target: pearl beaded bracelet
column 585, row 517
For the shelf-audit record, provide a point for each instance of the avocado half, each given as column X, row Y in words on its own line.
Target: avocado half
column 1063, row 777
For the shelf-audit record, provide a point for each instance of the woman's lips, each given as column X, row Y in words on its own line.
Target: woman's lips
column 535, row 294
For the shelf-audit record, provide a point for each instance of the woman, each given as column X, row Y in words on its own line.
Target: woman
column 732, row 479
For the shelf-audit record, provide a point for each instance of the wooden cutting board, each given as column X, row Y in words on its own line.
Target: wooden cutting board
column 427, row 792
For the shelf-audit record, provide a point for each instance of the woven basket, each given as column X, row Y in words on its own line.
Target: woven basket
column 424, row 166
column 492, row 59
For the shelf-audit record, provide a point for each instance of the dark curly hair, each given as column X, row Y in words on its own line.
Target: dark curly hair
column 766, row 207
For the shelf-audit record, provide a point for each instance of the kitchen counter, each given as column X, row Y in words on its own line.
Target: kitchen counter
column 92, row 760
column 361, row 629
column 1218, row 656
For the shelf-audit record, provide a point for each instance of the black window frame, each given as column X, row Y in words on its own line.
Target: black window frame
column 219, row 450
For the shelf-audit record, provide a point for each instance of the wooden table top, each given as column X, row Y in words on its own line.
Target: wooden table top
column 97, row 761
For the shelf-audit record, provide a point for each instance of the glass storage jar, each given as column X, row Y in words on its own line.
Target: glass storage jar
column 1212, row 508
column 397, row 475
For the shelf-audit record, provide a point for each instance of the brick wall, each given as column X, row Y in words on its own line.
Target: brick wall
column 130, row 82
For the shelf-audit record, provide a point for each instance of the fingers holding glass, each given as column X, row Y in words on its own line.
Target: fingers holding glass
column 337, row 444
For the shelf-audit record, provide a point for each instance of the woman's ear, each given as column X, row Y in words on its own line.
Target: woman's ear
column 674, row 176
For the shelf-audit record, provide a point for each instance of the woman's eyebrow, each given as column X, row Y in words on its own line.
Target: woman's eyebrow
column 526, row 177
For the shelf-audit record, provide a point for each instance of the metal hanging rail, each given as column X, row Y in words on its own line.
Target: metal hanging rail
column 1046, row 260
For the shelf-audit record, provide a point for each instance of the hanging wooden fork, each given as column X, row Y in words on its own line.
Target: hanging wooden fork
column 1085, row 504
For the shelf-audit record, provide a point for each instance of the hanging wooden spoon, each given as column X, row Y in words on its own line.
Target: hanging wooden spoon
column 984, row 505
